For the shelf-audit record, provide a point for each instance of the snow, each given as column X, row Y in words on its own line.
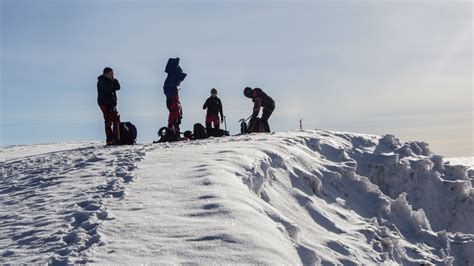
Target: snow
column 308, row 197
column 466, row 161
column 21, row 151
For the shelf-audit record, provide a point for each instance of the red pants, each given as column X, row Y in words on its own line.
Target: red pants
column 174, row 118
column 112, row 121
column 212, row 119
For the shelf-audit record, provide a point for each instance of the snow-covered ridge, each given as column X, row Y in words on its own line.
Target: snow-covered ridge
column 12, row 152
column 466, row 161
column 311, row 197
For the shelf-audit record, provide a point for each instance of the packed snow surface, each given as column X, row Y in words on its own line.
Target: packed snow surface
column 309, row 197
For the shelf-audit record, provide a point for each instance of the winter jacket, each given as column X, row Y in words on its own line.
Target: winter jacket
column 170, row 88
column 261, row 99
column 106, row 89
column 214, row 106
column 175, row 76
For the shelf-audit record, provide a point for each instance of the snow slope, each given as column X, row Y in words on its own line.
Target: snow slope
column 22, row 151
column 466, row 161
column 311, row 197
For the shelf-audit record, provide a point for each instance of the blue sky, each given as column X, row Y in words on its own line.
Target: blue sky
column 397, row 67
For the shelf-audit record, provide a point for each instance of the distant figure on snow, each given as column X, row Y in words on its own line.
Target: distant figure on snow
column 170, row 89
column 260, row 99
column 107, row 86
column 214, row 107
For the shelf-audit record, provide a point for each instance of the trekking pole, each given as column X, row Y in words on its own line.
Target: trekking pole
column 225, row 122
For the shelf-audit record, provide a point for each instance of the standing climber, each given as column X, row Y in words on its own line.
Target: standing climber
column 107, row 86
column 170, row 89
column 214, row 107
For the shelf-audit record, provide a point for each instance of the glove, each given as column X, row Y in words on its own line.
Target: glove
column 222, row 119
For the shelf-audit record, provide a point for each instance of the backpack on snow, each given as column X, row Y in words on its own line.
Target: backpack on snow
column 128, row 133
column 200, row 131
column 166, row 135
column 217, row 132
column 254, row 126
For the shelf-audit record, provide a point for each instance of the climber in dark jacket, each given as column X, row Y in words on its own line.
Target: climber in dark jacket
column 260, row 99
column 170, row 89
column 107, row 86
column 214, row 108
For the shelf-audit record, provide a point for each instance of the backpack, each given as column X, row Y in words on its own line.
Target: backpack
column 188, row 134
column 215, row 132
column 167, row 135
column 243, row 127
column 128, row 133
column 199, row 131
column 254, row 126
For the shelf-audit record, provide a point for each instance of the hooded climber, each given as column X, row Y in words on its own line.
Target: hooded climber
column 214, row 107
column 107, row 86
column 170, row 89
column 260, row 99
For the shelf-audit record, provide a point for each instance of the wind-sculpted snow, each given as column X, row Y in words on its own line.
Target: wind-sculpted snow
column 311, row 197
column 444, row 192
column 365, row 175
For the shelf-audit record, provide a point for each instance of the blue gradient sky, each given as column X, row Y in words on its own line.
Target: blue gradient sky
column 396, row 67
